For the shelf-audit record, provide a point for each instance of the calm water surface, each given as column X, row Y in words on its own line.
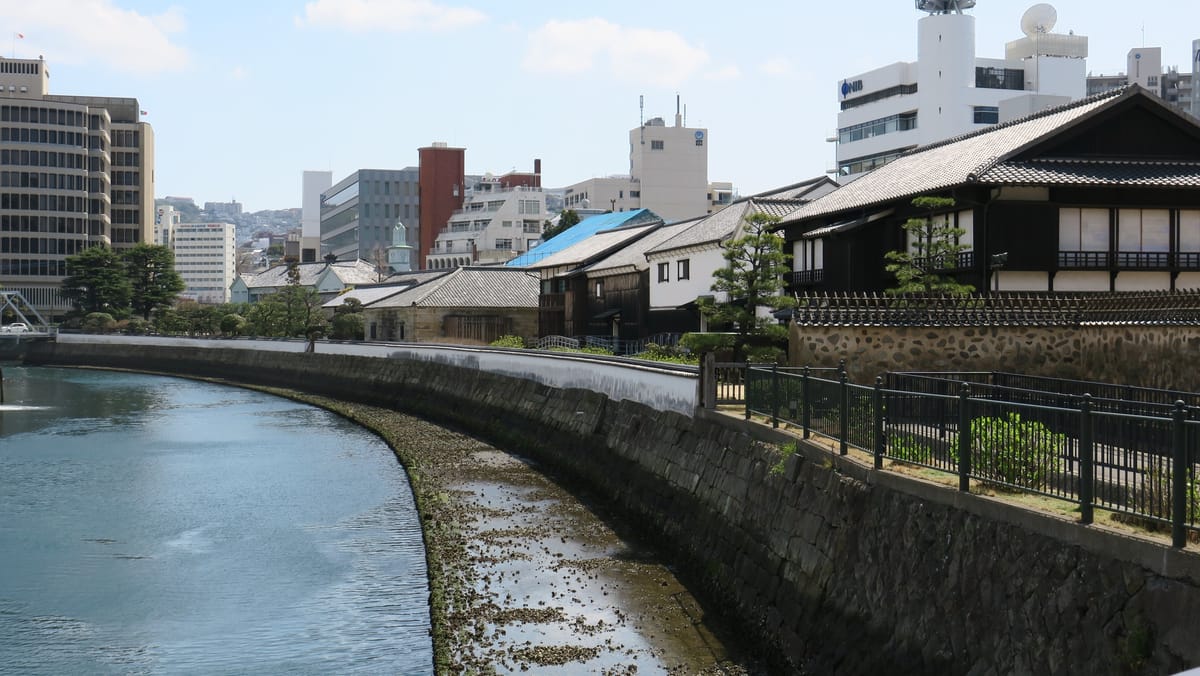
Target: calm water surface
column 152, row 525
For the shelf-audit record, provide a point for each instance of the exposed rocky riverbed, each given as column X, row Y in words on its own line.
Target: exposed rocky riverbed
column 526, row 578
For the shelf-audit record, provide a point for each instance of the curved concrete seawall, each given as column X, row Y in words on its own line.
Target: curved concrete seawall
column 828, row 565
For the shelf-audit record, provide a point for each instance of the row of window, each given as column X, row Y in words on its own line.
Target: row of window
column 868, row 162
column 1151, row 230
column 42, row 158
column 986, row 114
column 126, row 178
column 884, row 125
column 682, row 270
column 529, row 207
column 999, row 78
column 34, row 179
column 33, row 268
column 898, row 90
column 27, row 202
column 69, row 118
column 126, row 159
column 126, row 138
column 47, row 136
column 42, row 245
column 59, row 224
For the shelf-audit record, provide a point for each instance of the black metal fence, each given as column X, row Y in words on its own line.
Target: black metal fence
column 1136, row 457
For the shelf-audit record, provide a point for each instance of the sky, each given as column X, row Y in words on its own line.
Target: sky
column 246, row 95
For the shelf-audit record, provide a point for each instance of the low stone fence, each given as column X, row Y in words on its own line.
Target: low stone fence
column 827, row 565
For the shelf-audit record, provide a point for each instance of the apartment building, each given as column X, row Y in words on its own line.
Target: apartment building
column 206, row 259
column 75, row 171
column 1144, row 66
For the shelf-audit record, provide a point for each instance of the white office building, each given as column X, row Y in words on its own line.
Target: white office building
column 496, row 224
column 668, row 174
column 1144, row 66
column 206, row 258
column 948, row 91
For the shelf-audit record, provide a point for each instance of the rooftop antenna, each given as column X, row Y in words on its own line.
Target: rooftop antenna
column 642, row 116
column 678, row 115
column 944, row 6
column 1036, row 22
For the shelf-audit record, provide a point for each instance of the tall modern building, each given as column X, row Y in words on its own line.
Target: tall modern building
column 359, row 213
column 206, row 258
column 443, row 189
column 948, row 91
column 75, row 171
column 668, row 174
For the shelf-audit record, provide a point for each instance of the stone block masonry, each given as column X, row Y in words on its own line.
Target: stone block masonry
column 830, row 566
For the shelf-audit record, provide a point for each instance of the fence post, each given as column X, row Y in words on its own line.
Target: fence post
column 806, row 414
column 880, row 441
column 964, row 437
column 844, row 426
column 1087, row 459
column 1179, row 472
column 775, row 395
column 746, row 387
column 708, row 377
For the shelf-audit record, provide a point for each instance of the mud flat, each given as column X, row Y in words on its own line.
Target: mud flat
column 526, row 578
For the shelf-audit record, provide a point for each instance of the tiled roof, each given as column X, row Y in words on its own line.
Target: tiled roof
column 366, row 295
column 349, row 272
column 581, row 231
column 633, row 256
column 807, row 190
column 1095, row 172
column 484, row 286
column 955, row 161
column 725, row 223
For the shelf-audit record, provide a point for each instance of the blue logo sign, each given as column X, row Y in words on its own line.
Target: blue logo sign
column 849, row 87
column 699, row 135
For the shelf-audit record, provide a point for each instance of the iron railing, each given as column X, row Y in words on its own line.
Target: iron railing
column 1132, row 457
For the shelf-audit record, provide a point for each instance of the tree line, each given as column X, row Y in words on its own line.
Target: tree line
column 137, row 291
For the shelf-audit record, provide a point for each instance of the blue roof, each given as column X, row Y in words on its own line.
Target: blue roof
column 581, row 231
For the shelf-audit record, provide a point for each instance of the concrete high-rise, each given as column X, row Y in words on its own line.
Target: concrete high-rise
column 359, row 213
column 313, row 184
column 75, row 171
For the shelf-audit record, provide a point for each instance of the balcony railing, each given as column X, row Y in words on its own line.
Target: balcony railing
column 1129, row 260
column 805, row 277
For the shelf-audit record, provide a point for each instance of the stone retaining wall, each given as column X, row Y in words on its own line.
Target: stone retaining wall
column 1149, row 356
column 829, row 566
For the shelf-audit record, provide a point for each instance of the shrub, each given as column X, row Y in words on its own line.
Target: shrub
column 1008, row 450
column 99, row 322
column 698, row 343
column 347, row 326
column 785, row 451
column 508, row 341
column 906, row 448
column 136, row 326
column 666, row 353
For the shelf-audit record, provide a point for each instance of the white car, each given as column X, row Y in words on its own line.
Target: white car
column 15, row 327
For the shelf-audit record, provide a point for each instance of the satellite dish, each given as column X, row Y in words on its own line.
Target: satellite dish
column 1038, row 19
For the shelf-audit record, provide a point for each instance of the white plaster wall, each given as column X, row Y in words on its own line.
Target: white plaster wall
column 1188, row 280
column 1143, row 281
column 676, row 292
column 1017, row 280
column 1081, row 281
column 663, row 387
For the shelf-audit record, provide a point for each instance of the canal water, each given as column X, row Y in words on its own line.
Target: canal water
column 154, row 525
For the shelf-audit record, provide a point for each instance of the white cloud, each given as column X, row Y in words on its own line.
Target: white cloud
column 388, row 15
column 778, row 66
column 634, row 54
column 724, row 74
column 81, row 31
column 239, row 73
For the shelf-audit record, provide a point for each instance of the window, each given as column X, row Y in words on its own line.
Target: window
column 664, row 272
column 1143, row 230
column 656, row 145
column 504, row 244
column 599, row 288
column 1083, row 230
column 811, row 255
column 683, row 269
column 987, row 114
column 1189, row 231
column 999, row 78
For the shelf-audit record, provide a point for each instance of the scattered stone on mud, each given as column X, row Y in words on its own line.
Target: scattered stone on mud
column 526, row 579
